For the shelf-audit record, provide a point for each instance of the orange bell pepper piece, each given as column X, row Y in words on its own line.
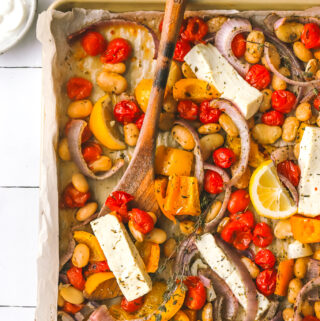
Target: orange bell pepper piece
column 150, row 254
column 284, row 276
column 305, row 229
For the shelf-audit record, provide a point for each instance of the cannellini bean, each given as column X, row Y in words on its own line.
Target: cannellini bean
column 278, row 83
column 311, row 68
column 296, row 150
column 166, row 121
column 290, row 129
column 131, row 134
column 306, row 308
column 80, row 183
column 294, row 288
column 169, row 248
column 274, row 56
column 118, row 68
column 265, row 134
column 186, row 227
column 183, row 137
column 209, row 128
column 153, row 216
column 215, row 23
column 209, row 143
column 102, row 164
column 223, row 223
column 266, row 102
column 317, row 309
column 316, row 255
column 80, row 108
column 303, row 112
column 302, row 52
column 139, row 237
column 112, row 82
column 287, row 314
column 86, row 211
column 283, row 230
column 207, row 312
column 63, row 150
column 289, row 31
column 187, row 71
column 72, row 295
column 254, row 48
column 251, row 267
column 300, row 267
column 228, row 125
column 170, row 104
column 243, row 181
column 81, row 254
column 157, row 235
column 213, row 211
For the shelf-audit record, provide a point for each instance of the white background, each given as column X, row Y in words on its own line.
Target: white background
column 20, row 88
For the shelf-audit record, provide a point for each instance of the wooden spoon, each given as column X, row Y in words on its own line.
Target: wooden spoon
column 138, row 179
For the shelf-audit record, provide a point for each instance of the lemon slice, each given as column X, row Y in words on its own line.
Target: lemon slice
column 268, row 196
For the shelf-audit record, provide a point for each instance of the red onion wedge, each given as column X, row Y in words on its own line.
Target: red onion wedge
column 198, row 167
column 281, row 154
column 224, row 38
column 210, row 226
column 186, row 251
column 68, row 253
column 232, row 111
column 312, row 93
column 74, row 142
column 313, row 271
column 217, row 309
column 63, row 316
column 292, row 189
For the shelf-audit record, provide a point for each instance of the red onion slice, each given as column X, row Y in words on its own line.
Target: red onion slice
column 74, row 143
column 281, row 154
column 187, row 249
column 232, row 111
column 68, row 254
column 312, row 93
column 292, row 189
column 313, row 271
column 217, row 309
column 224, row 38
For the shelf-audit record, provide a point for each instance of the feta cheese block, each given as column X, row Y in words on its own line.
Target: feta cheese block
column 309, row 163
column 219, row 263
column 122, row 256
column 208, row 64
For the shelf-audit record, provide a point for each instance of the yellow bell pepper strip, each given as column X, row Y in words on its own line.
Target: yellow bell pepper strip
column 305, row 229
column 100, row 125
column 94, row 280
column 142, row 93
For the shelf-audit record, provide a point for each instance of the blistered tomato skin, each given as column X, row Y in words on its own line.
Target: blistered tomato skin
column 239, row 201
column 262, row 235
column 316, row 102
column 242, row 240
column 96, row 267
column 139, row 122
column 141, row 220
column 188, row 110
column 258, row 76
column 246, row 219
column 310, row 318
column 195, row 30
column 196, row 295
column 213, row 182
column 72, row 198
column 76, row 278
column 290, row 170
column 266, row 282
column 224, row 157
column 283, row 101
column 91, row 151
column 118, row 50
column 265, row 259
column 182, row 48
column 273, row 118
column 126, row 111
column 131, row 306
column 72, row 308
column 118, row 201
column 78, row 88
column 310, row 36
column 208, row 114
column 93, row 43
column 238, row 45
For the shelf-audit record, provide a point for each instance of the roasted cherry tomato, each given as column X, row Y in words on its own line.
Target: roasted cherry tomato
column 188, row 110
column 316, row 102
column 273, row 118
column 239, row 201
column 283, row 100
column 262, row 235
column 229, row 232
column 91, row 151
column 242, row 240
column 86, row 134
column 208, row 114
column 72, row 198
column 131, row 306
column 258, row 76
column 182, row 48
column 290, row 170
column 265, row 259
column 76, row 278
column 266, row 281
column 196, row 295
column 96, row 267
column 310, row 318
column 224, row 157
column 72, row 308
column 93, row 43
column 246, row 219
column 140, row 120
column 79, row 88
column 238, row 45
column 213, row 182
column 118, row 201
column 141, row 220
column 118, row 50
column 126, row 111
column 310, row 36
column 195, row 30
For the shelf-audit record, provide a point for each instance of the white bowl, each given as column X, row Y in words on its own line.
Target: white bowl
column 15, row 37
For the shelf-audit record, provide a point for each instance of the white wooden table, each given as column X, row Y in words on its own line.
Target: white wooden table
column 20, row 88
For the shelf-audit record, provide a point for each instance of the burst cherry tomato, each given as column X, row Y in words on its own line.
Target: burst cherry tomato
column 79, row 88
column 242, row 240
column 91, row 151
column 196, row 295
column 86, row 134
column 213, row 182
column 208, row 114
column 118, row 50
column 72, row 308
column 195, row 30
column 316, row 102
column 273, row 118
column 72, row 198
column 126, row 111
column 283, row 100
column 266, row 281
column 188, row 110
column 229, row 232
column 265, row 259
column 224, row 157
column 290, row 170
column 76, row 278
column 262, row 235
column 96, row 267
column 182, row 48
column 238, row 45
column 131, row 306
column 93, row 43
column 258, row 76
column 117, row 201
column 246, row 219
column 239, row 201
column 139, row 122
column 310, row 318
column 141, row 220
column 310, row 36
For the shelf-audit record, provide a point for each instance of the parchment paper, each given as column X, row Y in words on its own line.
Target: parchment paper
column 52, row 29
